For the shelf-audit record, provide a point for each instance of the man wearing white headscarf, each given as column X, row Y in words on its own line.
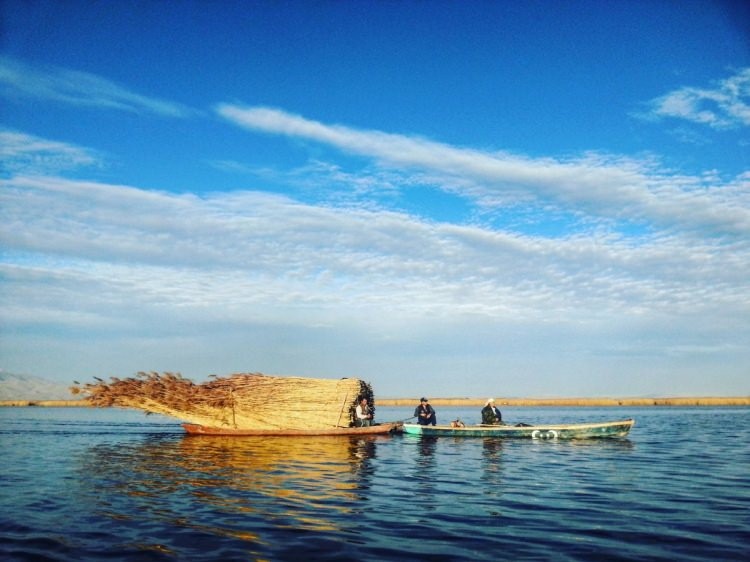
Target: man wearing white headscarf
column 490, row 414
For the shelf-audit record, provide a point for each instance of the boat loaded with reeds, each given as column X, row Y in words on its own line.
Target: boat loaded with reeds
column 243, row 404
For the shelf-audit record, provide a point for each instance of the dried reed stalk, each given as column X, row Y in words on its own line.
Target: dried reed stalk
column 241, row 401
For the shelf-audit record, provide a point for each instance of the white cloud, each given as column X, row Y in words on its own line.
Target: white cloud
column 544, row 174
column 241, row 280
column 227, row 276
column 79, row 88
column 594, row 184
column 23, row 153
column 252, row 248
column 727, row 105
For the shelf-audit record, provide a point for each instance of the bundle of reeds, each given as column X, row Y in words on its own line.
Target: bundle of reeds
column 240, row 401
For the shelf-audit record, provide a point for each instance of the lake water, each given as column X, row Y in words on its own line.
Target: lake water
column 110, row 484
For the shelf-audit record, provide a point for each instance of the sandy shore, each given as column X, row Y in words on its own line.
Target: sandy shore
column 473, row 402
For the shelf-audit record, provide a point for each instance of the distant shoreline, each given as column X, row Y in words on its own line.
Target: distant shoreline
column 47, row 403
column 471, row 402
column 681, row 401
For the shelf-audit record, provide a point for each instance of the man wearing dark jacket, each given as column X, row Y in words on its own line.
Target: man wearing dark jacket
column 425, row 413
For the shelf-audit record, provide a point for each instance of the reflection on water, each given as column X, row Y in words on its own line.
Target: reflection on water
column 491, row 450
column 426, row 456
column 304, row 484
column 425, row 473
column 85, row 488
column 492, row 464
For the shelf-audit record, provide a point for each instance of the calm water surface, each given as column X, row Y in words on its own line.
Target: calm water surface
column 107, row 484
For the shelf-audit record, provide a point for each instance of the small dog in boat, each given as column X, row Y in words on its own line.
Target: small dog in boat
column 457, row 423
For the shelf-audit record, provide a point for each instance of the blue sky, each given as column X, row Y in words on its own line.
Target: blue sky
column 442, row 198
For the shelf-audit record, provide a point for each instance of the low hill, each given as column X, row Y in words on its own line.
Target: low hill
column 29, row 387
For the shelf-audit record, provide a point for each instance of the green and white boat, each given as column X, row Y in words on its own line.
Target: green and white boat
column 547, row 431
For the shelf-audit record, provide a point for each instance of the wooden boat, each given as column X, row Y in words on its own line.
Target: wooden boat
column 546, row 431
column 377, row 429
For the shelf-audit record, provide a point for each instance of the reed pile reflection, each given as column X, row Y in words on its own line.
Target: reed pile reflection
column 242, row 487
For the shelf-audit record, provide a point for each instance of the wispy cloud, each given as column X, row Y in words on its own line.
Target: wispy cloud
column 600, row 185
column 24, row 153
column 74, row 87
column 229, row 276
column 726, row 105
column 272, row 250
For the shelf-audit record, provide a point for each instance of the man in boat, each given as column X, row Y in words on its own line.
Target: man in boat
column 363, row 414
column 490, row 414
column 425, row 413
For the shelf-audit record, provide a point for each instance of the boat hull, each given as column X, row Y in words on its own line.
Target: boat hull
column 558, row 431
column 379, row 429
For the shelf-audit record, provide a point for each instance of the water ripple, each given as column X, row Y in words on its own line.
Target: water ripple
column 112, row 486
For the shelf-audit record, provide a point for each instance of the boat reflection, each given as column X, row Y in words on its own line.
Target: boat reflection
column 312, row 483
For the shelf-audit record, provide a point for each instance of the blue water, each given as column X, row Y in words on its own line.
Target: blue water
column 109, row 484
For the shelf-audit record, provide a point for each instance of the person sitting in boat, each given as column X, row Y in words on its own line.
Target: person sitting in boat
column 490, row 414
column 425, row 413
column 363, row 414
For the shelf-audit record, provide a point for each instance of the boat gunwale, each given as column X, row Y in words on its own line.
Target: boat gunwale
column 587, row 425
column 378, row 429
